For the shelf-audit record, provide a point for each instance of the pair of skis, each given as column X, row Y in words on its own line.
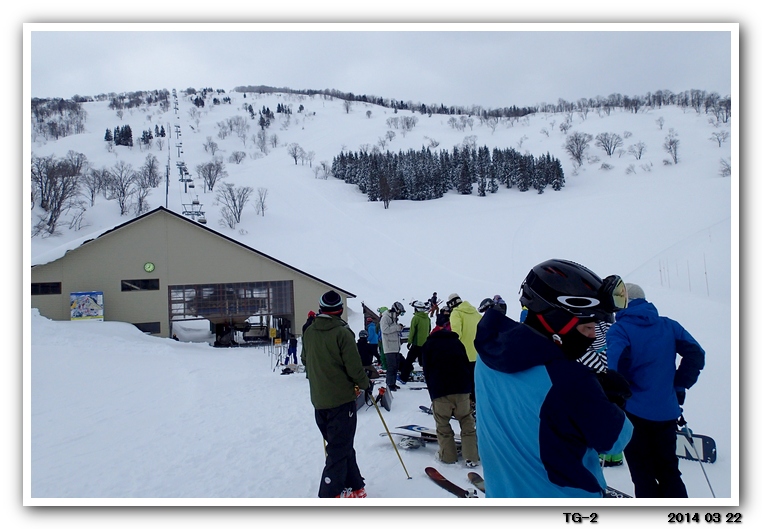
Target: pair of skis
column 452, row 488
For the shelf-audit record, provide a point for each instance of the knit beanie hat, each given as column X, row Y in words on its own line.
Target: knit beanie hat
column 330, row 303
column 634, row 291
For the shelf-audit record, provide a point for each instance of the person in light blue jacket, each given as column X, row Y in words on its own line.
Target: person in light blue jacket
column 643, row 346
column 543, row 417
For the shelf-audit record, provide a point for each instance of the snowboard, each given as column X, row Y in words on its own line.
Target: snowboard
column 426, row 409
column 705, row 448
column 476, row 480
column 448, row 485
column 429, row 434
column 384, row 398
column 409, row 440
column 611, row 492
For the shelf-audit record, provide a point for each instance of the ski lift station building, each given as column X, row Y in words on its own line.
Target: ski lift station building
column 161, row 268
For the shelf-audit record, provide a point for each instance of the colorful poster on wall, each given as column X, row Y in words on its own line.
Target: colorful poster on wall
column 86, row 305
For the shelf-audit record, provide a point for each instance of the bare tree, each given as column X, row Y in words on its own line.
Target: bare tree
column 660, row 122
column 347, row 105
column 368, row 113
column 211, row 146
column 151, row 170
column 261, row 207
column 121, row 185
column 637, row 150
column 237, row 157
column 326, row 167
column 240, row 127
column 233, row 200
column 142, row 190
column 211, row 172
column 261, row 141
column 724, row 167
column 223, row 129
column 719, row 137
column 94, row 181
column 492, row 123
column 609, row 142
column 576, row 145
column 274, row 140
column 57, row 182
column 295, row 152
column 671, row 143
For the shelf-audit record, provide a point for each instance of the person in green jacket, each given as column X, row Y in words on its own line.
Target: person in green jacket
column 420, row 327
column 335, row 373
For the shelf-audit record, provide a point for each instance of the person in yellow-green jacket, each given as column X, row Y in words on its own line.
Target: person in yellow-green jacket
column 463, row 320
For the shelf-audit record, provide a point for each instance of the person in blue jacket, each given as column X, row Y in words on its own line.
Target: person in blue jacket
column 643, row 346
column 543, row 417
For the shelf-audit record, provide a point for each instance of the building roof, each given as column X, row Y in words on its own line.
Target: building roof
column 164, row 210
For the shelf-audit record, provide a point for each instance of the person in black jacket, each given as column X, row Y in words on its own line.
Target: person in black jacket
column 448, row 376
column 366, row 354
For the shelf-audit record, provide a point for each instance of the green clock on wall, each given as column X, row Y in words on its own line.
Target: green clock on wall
column 149, row 267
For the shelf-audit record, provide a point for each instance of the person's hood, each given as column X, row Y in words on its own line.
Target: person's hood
column 466, row 307
column 324, row 322
column 638, row 312
column 510, row 347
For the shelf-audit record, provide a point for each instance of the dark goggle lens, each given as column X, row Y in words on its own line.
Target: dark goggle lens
column 614, row 290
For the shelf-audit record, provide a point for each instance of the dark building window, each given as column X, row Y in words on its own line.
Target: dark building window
column 153, row 327
column 221, row 300
column 41, row 289
column 129, row 285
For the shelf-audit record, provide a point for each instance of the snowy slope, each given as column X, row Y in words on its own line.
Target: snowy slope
column 118, row 415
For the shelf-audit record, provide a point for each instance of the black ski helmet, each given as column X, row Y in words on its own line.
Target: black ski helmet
column 560, row 290
column 363, row 334
column 485, row 304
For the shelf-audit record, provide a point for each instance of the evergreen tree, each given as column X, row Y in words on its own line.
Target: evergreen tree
column 464, row 176
column 108, row 136
column 557, row 180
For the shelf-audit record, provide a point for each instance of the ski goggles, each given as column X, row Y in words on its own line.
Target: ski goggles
column 611, row 297
column 613, row 293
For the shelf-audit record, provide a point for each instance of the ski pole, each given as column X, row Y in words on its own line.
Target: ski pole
column 388, row 433
column 689, row 434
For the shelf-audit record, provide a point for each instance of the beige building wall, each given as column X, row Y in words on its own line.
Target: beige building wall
column 183, row 253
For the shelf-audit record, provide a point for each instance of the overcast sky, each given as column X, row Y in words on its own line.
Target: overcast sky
column 454, row 64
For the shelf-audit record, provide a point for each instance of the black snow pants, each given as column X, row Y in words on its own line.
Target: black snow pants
column 338, row 426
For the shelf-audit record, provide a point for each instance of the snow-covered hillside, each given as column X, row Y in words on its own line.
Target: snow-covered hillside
column 141, row 417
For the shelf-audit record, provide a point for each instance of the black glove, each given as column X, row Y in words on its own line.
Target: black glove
column 615, row 386
column 680, row 392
